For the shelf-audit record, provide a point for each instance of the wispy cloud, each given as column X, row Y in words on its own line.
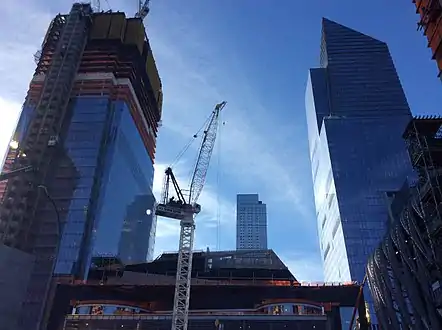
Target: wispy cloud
column 305, row 267
column 29, row 24
column 253, row 142
column 29, row 21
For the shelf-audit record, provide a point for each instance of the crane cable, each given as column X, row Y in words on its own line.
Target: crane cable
column 189, row 143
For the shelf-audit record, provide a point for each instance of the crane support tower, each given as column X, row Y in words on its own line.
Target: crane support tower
column 184, row 210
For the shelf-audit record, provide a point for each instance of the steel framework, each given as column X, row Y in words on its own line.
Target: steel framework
column 19, row 220
column 405, row 271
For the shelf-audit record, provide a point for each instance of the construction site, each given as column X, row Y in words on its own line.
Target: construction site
column 93, row 67
column 405, row 271
column 229, row 290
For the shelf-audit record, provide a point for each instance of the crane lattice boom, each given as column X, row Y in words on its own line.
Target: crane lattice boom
column 205, row 153
column 185, row 211
column 143, row 9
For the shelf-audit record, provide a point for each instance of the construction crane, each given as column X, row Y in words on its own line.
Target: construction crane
column 143, row 9
column 185, row 210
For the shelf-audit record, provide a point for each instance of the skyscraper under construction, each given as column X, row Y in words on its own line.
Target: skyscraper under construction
column 87, row 137
column 430, row 24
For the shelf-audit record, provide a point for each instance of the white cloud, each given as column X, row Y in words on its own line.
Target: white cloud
column 9, row 112
column 29, row 24
column 246, row 149
column 304, row 267
column 255, row 144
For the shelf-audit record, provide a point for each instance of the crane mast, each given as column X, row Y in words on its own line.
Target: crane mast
column 185, row 211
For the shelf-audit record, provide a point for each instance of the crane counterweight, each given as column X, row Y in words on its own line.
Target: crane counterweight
column 185, row 211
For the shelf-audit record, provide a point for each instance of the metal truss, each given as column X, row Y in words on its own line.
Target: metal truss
column 404, row 273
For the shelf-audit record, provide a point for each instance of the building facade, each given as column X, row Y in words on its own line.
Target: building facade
column 89, row 126
column 404, row 273
column 139, row 225
column 430, row 23
column 251, row 222
column 356, row 113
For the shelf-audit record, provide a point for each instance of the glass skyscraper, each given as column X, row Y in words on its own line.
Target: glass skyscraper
column 113, row 168
column 356, row 114
column 251, row 222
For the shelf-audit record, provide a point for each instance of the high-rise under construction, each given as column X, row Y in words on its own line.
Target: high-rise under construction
column 430, row 24
column 83, row 151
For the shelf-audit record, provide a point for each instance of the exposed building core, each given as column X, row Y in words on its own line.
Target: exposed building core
column 116, row 47
column 89, row 127
column 430, row 23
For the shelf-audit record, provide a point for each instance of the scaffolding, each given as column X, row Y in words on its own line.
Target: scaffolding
column 405, row 271
column 19, row 220
column 424, row 140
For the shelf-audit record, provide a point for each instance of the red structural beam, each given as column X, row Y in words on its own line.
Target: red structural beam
column 430, row 12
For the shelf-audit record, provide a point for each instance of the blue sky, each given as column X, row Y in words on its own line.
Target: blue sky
column 255, row 55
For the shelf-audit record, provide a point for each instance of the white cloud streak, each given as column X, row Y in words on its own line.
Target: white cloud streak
column 304, row 267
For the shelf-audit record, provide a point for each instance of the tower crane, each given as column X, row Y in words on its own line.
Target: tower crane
column 184, row 210
column 143, row 9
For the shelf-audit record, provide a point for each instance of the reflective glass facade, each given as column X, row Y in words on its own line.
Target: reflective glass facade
column 112, row 169
column 251, row 223
column 139, row 224
column 356, row 114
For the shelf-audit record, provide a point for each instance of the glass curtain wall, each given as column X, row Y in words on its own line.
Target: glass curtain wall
column 113, row 167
